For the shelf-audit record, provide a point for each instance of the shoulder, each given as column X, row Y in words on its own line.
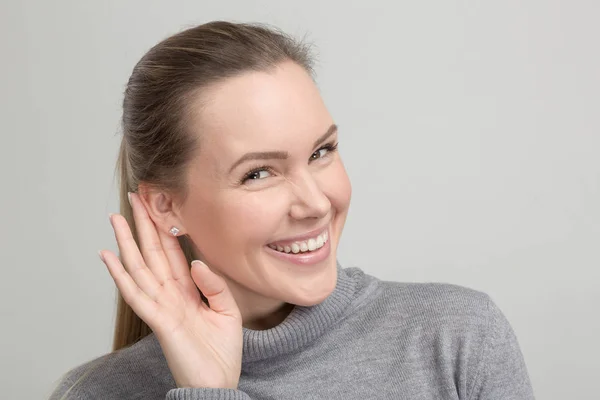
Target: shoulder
column 139, row 370
column 467, row 334
column 436, row 299
column 418, row 299
column 456, row 322
column 432, row 311
column 453, row 332
column 442, row 310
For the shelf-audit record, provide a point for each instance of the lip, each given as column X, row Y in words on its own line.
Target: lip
column 312, row 234
column 308, row 258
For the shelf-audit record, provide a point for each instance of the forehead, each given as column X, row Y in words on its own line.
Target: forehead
column 281, row 109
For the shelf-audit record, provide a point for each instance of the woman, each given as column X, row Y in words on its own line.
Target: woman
column 229, row 164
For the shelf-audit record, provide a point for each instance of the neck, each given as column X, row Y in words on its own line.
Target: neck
column 259, row 320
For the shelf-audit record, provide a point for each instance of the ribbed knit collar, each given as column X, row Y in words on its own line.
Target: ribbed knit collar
column 303, row 325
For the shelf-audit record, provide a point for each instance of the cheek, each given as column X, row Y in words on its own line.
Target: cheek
column 252, row 217
column 225, row 228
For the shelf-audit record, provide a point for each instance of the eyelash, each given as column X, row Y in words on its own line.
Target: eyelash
column 330, row 147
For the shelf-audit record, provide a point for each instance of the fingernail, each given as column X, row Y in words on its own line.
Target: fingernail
column 110, row 217
column 199, row 262
column 100, row 254
column 129, row 197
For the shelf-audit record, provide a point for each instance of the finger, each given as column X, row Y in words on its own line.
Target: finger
column 150, row 244
column 215, row 289
column 180, row 269
column 132, row 259
column 143, row 305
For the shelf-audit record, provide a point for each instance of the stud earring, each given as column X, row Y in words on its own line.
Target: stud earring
column 174, row 231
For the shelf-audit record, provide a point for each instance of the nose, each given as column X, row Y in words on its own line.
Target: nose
column 309, row 200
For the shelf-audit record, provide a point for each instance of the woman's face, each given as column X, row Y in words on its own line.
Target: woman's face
column 267, row 178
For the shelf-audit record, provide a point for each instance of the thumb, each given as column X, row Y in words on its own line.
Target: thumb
column 215, row 289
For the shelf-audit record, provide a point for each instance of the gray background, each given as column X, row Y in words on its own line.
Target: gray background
column 469, row 129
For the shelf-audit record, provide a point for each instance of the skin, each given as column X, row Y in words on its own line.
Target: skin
column 230, row 223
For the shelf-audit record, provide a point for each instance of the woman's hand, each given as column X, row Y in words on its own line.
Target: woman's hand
column 202, row 345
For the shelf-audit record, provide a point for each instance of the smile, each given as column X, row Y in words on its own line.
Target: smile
column 304, row 246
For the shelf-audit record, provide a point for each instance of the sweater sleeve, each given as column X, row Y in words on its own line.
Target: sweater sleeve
column 206, row 394
column 67, row 390
column 62, row 392
column 502, row 373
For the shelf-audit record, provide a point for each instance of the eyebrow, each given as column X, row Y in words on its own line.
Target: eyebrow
column 280, row 155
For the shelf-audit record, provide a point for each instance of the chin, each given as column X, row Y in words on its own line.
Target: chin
column 311, row 297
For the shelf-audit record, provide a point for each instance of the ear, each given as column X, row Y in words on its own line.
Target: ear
column 161, row 209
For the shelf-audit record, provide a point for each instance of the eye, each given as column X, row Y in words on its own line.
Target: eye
column 256, row 174
column 323, row 151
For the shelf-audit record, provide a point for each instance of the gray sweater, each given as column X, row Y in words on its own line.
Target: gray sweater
column 370, row 339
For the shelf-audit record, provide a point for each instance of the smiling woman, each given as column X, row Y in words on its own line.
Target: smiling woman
column 233, row 202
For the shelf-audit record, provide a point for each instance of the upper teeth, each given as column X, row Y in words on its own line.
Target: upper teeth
column 304, row 246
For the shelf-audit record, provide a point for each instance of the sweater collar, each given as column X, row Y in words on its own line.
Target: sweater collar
column 303, row 325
